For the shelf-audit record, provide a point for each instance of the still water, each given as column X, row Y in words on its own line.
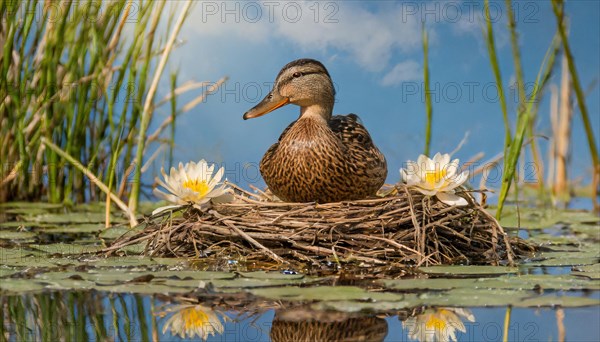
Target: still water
column 130, row 317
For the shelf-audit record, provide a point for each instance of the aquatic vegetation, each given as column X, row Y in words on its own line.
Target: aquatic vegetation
column 84, row 78
column 437, row 177
column 193, row 183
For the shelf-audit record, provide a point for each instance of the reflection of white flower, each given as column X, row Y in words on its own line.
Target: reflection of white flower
column 192, row 320
column 192, row 183
column 438, row 324
column 435, row 177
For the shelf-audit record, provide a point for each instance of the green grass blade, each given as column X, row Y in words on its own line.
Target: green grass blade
column 428, row 107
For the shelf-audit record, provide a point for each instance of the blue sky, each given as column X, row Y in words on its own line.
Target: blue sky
column 373, row 52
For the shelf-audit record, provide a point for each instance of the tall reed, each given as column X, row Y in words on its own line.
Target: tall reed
column 77, row 74
column 428, row 107
column 527, row 108
column 558, row 8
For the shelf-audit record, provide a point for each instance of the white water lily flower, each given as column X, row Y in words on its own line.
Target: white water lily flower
column 191, row 320
column 436, row 177
column 439, row 324
column 192, row 183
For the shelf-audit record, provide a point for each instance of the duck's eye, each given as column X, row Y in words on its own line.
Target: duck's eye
column 297, row 74
column 270, row 96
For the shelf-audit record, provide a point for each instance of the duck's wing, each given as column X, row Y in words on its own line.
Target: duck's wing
column 350, row 130
column 359, row 146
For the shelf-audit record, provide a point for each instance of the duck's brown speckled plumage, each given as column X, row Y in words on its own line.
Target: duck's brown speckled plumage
column 318, row 157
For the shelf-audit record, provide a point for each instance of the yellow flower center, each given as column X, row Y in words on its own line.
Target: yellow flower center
column 193, row 317
column 434, row 176
column 436, row 321
column 201, row 187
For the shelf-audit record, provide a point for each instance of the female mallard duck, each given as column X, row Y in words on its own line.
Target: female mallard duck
column 319, row 157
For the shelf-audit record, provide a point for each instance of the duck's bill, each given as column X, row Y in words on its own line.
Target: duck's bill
column 266, row 105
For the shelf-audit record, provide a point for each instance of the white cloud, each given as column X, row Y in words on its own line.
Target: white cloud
column 368, row 35
column 403, row 72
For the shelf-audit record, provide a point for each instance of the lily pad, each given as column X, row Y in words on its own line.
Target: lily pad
column 195, row 275
column 67, row 248
column 142, row 288
column 538, row 218
column 246, row 283
column 537, row 282
column 590, row 271
column 75, row 228
column 24, row 224
column 468, row 270
column 20, row 286
column 427, row 284
column 473, row 297
column 356, row 306
column 270, row 275
column 12, row 235
column 325, row 293
column 118, row 231
column 26, row 211
column 566, row 258
column 71, row 218
column 31, row 205
column 563, row 301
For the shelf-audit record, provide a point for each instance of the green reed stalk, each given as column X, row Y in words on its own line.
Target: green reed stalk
column 514, row 43
column 511, row 158
column 94, row 179
column 173, row 117
column 491, row 46
column 428, row 107
column 558, row 8
column 148, row 109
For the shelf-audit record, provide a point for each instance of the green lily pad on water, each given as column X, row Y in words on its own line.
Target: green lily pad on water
column 590, row 271
column 20, row 286
column 326, row 293
column 562, row 301
column 75, row 228
column 31, row 205
column 118, row 231
column 72, row 218
column 195, row 275
column 19, row 224
column 142, row 288
column 462, row 297
column 355, row 306
column 12, row 235
column 566, row 258
column 67, row 248
column 247, row 283
column 539, row 218
column 427, row 284
column 537, row 282
column 270, row 275
column 26, row 211
column 121, row 262
column 453, row 270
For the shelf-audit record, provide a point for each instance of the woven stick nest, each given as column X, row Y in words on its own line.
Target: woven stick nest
column 401, row 228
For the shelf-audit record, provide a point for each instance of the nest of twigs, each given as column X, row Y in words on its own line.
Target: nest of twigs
column 399, row 229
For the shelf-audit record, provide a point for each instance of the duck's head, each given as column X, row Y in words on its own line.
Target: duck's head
column 303, row 82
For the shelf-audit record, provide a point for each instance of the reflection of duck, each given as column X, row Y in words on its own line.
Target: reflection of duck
column 318, row 157
column 308, row 325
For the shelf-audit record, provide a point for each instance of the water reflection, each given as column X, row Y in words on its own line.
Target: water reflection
column 191, row 320
column 301, row 324
column 82, row 316
column 437, row 324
